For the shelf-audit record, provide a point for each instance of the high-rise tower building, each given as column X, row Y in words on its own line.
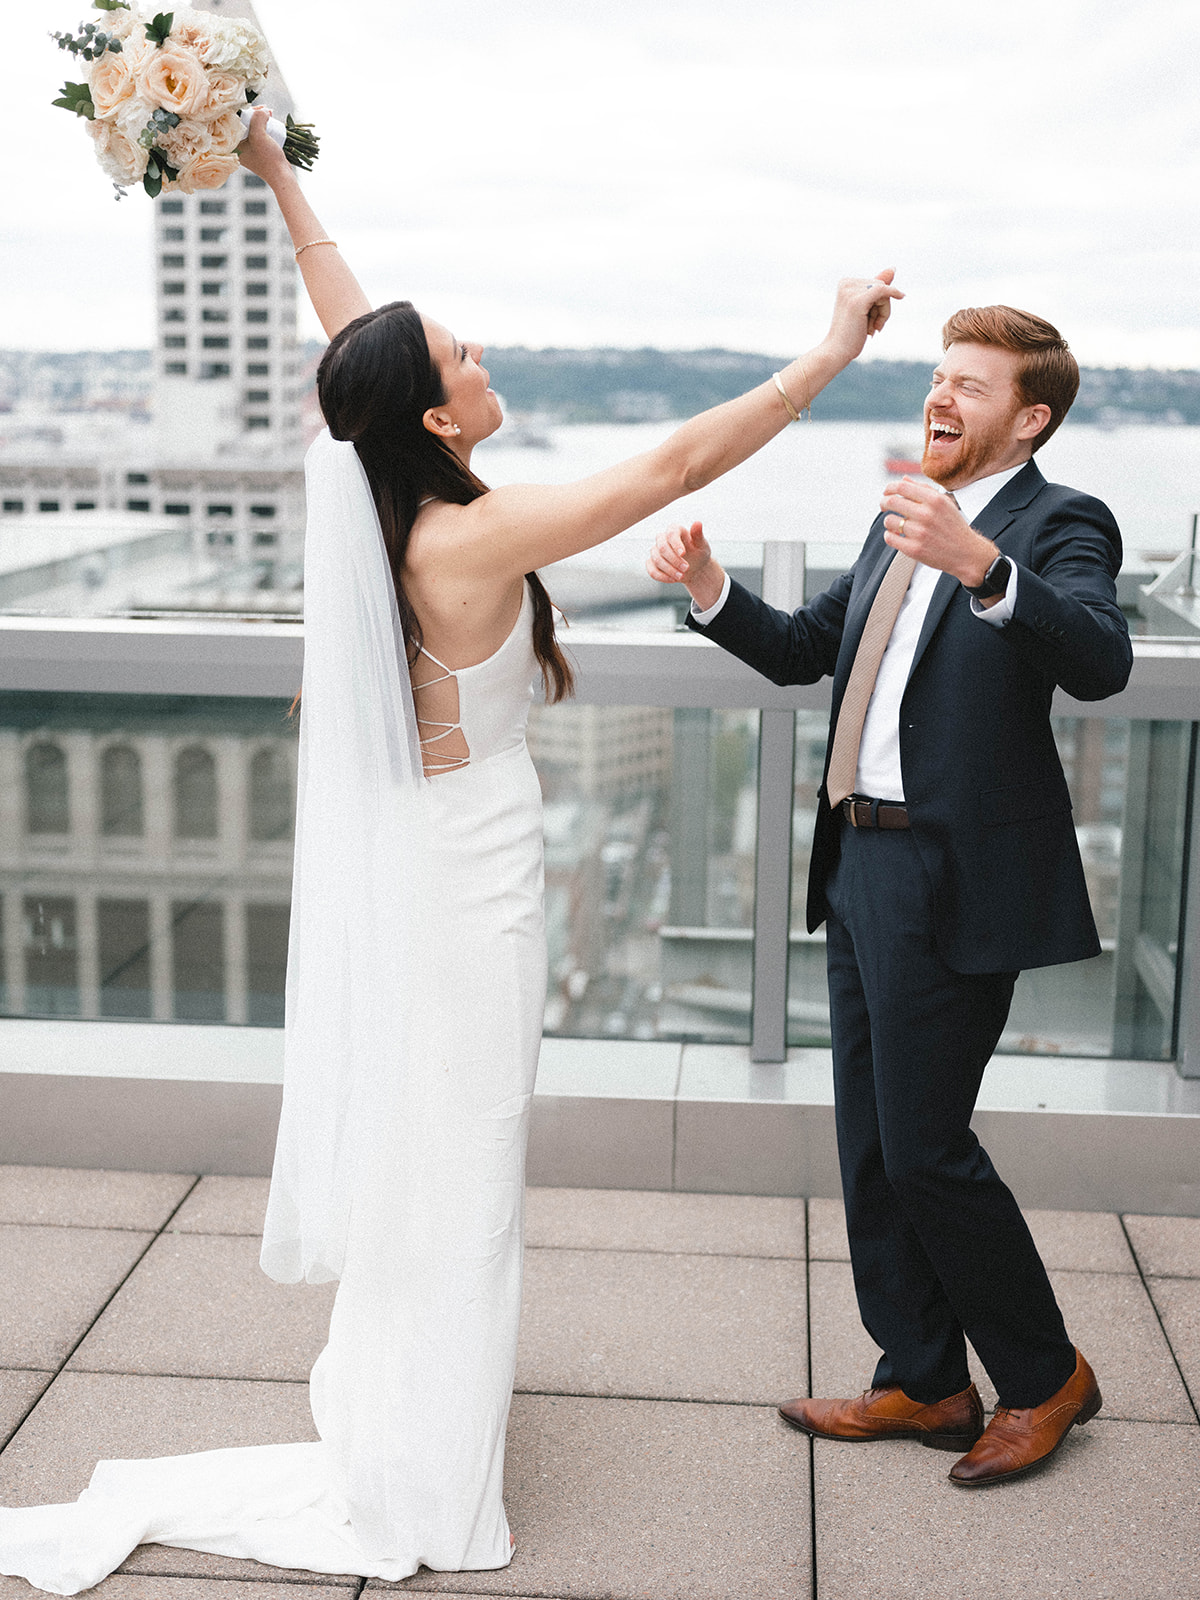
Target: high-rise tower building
column 227, row 379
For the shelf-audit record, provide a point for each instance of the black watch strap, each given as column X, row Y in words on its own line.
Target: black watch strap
column 995, row 580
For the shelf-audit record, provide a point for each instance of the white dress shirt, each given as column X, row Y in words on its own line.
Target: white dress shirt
column 879, row 772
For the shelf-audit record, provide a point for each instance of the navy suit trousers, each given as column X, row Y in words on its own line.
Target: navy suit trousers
column 938, row 1244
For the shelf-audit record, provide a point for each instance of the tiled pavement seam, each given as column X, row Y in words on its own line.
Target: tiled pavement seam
column 1193, row 1399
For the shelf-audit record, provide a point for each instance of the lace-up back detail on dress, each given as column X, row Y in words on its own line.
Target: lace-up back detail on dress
column 440, row 750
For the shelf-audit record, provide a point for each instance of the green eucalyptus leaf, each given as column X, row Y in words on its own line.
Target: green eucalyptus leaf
column 152, row 183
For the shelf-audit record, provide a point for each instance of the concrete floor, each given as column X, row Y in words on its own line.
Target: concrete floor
column 645, row 1457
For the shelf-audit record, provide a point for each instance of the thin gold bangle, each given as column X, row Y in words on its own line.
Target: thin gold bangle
column 784, row 396
column 312, row 242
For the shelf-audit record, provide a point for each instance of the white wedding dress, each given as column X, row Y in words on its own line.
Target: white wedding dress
column 416, row 986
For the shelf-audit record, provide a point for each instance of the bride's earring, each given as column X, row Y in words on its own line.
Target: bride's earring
column 457, row 429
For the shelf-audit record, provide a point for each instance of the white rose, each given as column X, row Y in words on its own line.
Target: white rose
column 226, row 133
column 122, row 160
column 186, row 142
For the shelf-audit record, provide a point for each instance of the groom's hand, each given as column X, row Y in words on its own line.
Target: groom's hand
column 683, row 555
column 924, row 522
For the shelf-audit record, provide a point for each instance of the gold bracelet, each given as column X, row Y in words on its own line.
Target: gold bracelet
column 783, row 395
column 312, row 242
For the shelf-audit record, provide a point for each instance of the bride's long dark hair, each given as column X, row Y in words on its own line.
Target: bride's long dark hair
column 375, row 383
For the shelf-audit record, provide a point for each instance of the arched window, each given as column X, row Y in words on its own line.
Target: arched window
column 270, row 794
column 195, row 794
column 47, row 806
column 121, row 792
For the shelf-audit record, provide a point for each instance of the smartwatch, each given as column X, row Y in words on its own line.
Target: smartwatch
column 995, row 580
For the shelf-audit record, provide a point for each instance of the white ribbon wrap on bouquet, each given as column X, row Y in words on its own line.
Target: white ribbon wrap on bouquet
column 277, row 129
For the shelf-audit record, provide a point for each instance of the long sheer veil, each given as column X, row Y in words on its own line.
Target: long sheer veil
column 349, row 952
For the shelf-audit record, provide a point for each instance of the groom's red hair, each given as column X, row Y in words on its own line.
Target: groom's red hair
column 1047, row 373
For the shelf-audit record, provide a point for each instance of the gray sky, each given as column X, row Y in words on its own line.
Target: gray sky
column 683, row 174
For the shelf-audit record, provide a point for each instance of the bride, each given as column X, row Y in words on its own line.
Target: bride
column 416, row 975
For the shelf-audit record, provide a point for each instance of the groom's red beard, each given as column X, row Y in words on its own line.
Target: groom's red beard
column 971, row 454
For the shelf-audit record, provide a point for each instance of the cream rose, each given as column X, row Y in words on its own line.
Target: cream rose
column 227, row 133
column 225, row 92
column 186, row 142
column 174, row 79
column 208, row 172
column 111, row 80
column 121, row 159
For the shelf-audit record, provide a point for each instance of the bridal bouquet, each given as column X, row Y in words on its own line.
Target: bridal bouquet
column 166, row 97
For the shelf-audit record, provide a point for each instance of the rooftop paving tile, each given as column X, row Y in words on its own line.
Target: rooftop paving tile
column 648, row 1219
column 18, row 1391
column 125, row 1586
column 85, row 1417
column 1177, row 1301
column 223, row 1205
column 1167, row 1247
column 647, row 1499
column 56, row 1280
column 1107, row 1518
column 1111, row 1319
column 666, row 1326
column 68, row 1197
column 200, row 1306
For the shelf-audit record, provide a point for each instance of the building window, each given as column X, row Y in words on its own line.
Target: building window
column 266, row 964
column 178, row 509
column 216, row 341
column 256, row 236
column 214, row 263
column 121, row 792
column 175, row 369
column 258, row 397
column 172, row 235
column 47, row 804
column 265, row 539
column 137, row 477
column 255, row 208
column 173, row 261
column 257, row 342
column 214, row 369
column 212, row 235
column 137, row 505
column 123, row 929
column 258, row 422
column 171, row 208
column 14, row 505
column 51, row 957
column 256, row 263
column 271, row 801
column 258, row 369
column 255, row 315
column 220, row 511
column 195, row 794
column 219, row 538
column 210, row 208
column 175, row 341
column 85, row 505
column 212, row 289
column 262, row 511
column 258, row 289
column 198, row 960
column 47, row 505
column 250, row 181
column 173, row 314
column 174, row 288
column 211, row 314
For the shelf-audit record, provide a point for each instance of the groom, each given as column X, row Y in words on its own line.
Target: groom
column 944, row 862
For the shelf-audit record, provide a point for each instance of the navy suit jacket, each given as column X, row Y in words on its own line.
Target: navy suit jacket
column 987, row 801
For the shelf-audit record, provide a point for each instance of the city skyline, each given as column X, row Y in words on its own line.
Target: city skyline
column 645, row 176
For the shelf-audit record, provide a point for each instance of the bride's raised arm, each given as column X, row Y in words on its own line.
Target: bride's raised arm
column 333, row 289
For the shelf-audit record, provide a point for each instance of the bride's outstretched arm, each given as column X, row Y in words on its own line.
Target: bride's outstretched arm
column 332, row 287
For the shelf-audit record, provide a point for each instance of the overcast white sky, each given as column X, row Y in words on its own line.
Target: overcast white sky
column 637, row 172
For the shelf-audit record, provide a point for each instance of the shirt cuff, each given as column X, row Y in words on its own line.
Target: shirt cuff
column 1002, row 611
column 703, row 618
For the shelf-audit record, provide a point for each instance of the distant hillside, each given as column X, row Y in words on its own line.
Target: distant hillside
column 619, row 385
column 649, row 385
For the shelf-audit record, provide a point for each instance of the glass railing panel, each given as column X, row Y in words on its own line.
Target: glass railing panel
column 146, row 856
column 650, row 839
column 1129, row 784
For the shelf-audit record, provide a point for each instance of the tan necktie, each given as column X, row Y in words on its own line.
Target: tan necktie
column 881, row 619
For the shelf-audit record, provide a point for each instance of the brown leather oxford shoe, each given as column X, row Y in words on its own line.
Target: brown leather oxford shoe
column 888, row 1413
column 1016, row 1440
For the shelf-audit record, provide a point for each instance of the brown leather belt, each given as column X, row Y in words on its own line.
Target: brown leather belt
column 862, row 813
